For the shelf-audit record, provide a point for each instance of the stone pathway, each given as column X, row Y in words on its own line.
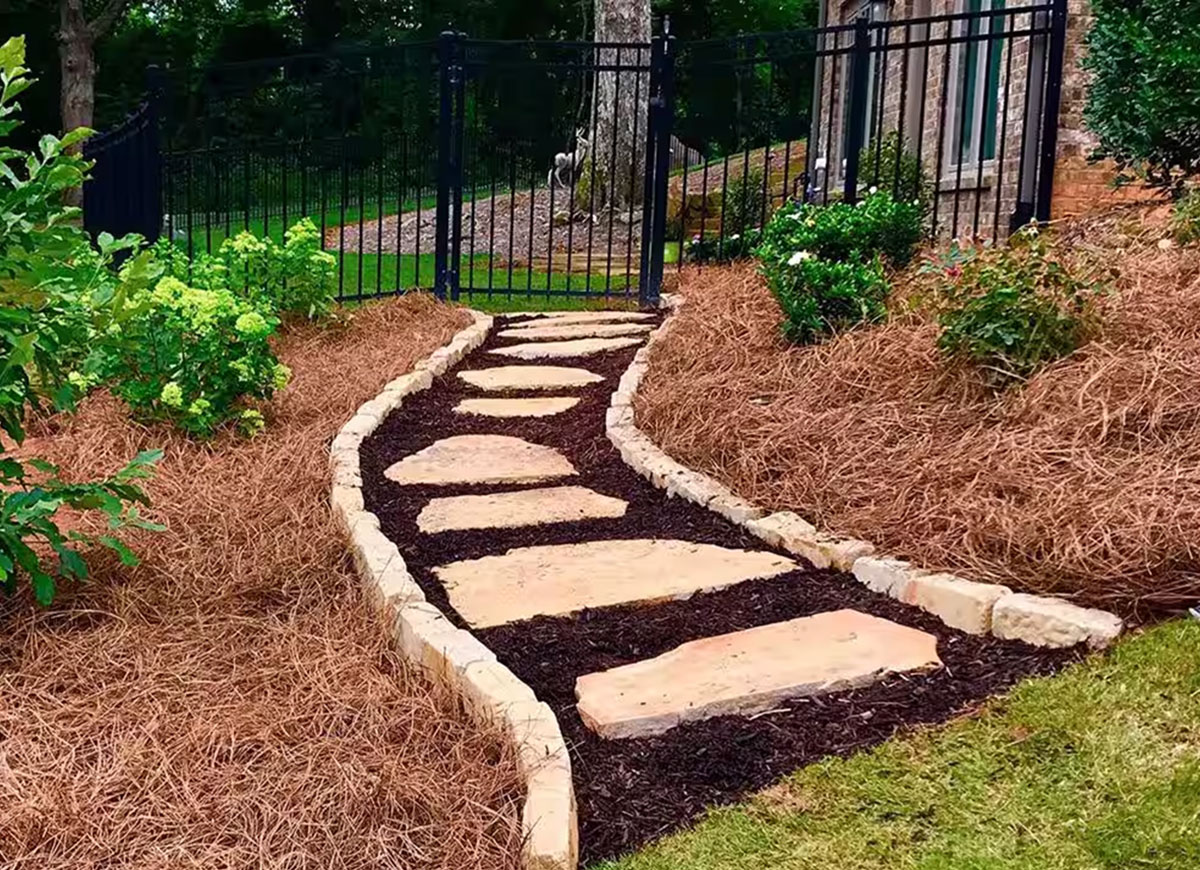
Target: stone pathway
column 741, row 673
column 687, row 661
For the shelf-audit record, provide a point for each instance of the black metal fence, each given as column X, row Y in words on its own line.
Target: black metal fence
column 518, row 169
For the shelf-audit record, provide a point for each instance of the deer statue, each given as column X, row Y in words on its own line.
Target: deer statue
column 570, row 163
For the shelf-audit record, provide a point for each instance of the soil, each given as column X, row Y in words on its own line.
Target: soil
column 632, row 791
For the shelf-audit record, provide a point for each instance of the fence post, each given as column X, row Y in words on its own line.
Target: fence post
column 1054, row 77
column 445, row 282
column 860, row 75
column 156, row 88
column 663, row 109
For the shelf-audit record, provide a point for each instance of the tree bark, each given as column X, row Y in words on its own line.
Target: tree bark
column 622, row 100
column 78, row 66
column 77, row 62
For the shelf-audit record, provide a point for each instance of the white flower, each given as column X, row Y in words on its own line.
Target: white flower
column 735, row 237
column 874, row 190
column 800, row 256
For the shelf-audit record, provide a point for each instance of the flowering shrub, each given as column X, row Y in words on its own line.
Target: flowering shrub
column 823, row 296
column 57, row 296
column 1010, row 310
column 825, row 264
column 297, row 277
column 838, row 231
column 192, row 356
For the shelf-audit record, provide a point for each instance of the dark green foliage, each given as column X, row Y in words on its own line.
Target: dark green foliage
column 820, row 297
column 1010, row 310
column 886, row 166
column 744, row 202
column 1143, row 101
column 825, row 264
column 717, row 249
column 876, row 224
column 58, row 299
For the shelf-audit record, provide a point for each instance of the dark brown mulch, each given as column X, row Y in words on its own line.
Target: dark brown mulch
column 631, row 791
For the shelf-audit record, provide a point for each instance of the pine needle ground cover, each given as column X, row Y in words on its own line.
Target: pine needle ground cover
column 232, row 701
column 1084, row 480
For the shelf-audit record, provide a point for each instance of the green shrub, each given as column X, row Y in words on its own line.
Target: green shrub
column 297, row 277
column 1185, row 218
column 819, row 297
column 719, row 249
column 884, row 165
column 1010, row 310
column 825, row 263
column 192, row 356
column 1144, row 60
column 876, row 224
column 743, row 202
column 58, row 299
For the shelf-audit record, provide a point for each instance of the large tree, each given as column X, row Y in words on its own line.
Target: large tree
column 622, row 100
column 77, row 35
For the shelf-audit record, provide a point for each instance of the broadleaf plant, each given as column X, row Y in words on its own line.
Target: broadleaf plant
column 59, row 298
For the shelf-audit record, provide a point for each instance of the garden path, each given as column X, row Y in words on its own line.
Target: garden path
column 687, row 661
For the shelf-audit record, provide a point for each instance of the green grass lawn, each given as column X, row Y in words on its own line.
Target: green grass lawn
column 1096, row 768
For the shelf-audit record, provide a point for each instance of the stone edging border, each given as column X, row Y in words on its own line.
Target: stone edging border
column 976, row 608
column 452, row 657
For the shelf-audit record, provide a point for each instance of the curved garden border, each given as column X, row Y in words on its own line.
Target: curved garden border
column 452, row 657
column 977, row 608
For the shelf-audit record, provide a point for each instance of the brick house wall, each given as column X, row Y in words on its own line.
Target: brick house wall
column 979, row 195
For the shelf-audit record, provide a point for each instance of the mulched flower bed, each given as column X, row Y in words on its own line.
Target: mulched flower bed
column 631, row 791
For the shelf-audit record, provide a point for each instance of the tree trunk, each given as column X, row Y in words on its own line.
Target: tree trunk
column 77, row 63
column 622, row 101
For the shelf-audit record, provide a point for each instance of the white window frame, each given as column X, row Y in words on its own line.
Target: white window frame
column 970, row 161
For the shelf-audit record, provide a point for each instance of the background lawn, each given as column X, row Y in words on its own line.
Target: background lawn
column 1097, row 768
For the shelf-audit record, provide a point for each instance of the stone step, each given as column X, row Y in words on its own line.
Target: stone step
column 463, row 459
column 560, row 579
column 516, row 407
column 529, row 378
column 575, row 330
column 590, row 317
column 565, row 349
column 529, row 507
column 750, row 672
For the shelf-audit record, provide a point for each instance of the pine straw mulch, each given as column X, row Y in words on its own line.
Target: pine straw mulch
column 1085, row 482
column 233, row 702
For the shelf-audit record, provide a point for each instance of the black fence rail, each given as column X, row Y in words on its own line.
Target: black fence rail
column 124, row 194
column 580, row 169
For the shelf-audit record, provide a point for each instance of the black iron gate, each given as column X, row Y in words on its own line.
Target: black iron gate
column 586, row 170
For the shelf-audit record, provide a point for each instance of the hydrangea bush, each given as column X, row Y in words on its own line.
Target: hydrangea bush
column 297, row 277
column 826, row 264
column 193, row 356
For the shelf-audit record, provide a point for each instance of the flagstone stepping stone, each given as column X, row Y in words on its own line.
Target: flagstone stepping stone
column 576, row 330
column 529, row 507
column 560, row 579
column 516, row 407
column 751, row 671
column 591, row 317
column 529, row 378
column 480, row 459
column 562, row 349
